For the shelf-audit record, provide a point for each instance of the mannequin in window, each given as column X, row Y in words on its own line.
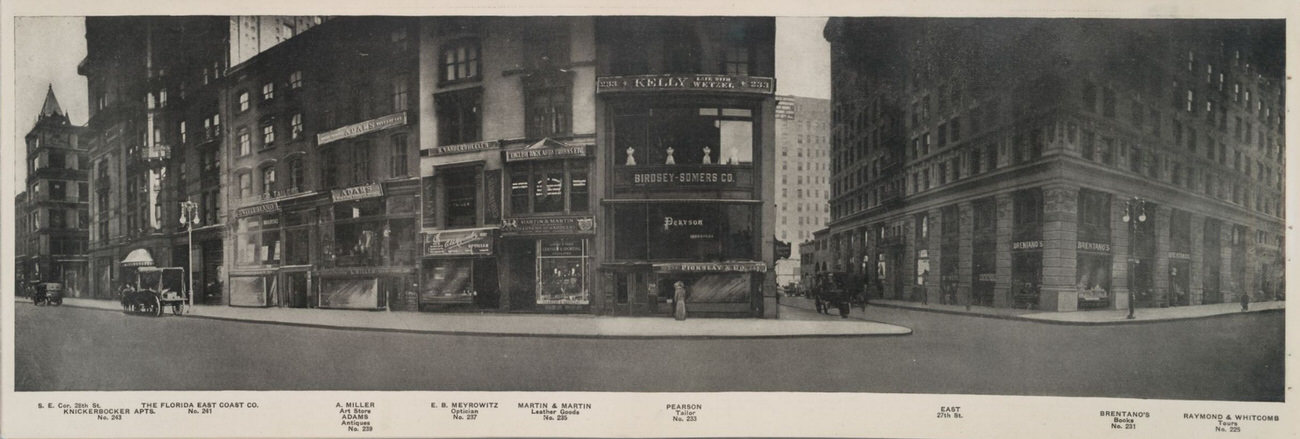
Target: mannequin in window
column 631, row 156
column 730, row 152
column 708, row 157
column 670, row 160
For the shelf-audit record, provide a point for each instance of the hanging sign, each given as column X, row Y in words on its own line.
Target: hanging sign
column 359, row 128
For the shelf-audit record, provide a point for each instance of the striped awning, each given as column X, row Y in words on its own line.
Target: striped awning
column 138, row 258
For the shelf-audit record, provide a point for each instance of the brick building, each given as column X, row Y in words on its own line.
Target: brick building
column 803, row 175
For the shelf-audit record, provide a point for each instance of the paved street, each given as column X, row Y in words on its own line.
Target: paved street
column 1235, row 357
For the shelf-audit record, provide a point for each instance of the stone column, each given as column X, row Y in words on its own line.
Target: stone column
column 934, row 282
column 1252, row 263
column 1196, row 284
column 1120, row 232
column 1160, row 271
column 965, row 253
column 1228, row 288
column 1060, row 249
column 1002, row 292
column 909, row 257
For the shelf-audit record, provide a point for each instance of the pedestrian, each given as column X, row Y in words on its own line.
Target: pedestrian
column 1245, row 301
column 679, row 300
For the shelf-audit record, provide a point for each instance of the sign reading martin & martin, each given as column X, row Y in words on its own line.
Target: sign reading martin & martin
column 549, row 226
column 359, row 128
column 718, row 83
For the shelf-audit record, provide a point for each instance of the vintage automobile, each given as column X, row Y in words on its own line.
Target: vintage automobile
column 156, row 289
column 47, row 293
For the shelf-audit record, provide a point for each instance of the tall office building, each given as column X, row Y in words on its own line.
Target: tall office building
column 802, row 176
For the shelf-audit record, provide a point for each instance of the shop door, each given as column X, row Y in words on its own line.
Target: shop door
column 295, row 290
column 896, row 275
column 485, row 283
column 522, row 275
column 630, row 293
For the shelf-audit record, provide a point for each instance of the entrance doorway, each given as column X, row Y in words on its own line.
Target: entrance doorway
column 522, row 276
column 296, row 290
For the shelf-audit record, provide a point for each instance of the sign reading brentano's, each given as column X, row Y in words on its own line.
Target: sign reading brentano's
column 359, row 128
column 358, row 192
column 718, row 83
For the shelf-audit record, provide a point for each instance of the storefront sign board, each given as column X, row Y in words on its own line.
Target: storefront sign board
column 458, row 243
column 712, row 267
column 1179, row 255
column 358, row 192
column 359, row 128
column 1026, row 245
column 560, row 152
column 257, row 210
column 1094, row 246
column 549, row 226
column 710, row 83
column 464, row 148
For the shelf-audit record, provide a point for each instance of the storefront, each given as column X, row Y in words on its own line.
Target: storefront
column 984, row 252
column 1093, row 249
column 1027, row 248
column 458, row 270
column 547, row 262
column 369, row 247
column 1179, row 255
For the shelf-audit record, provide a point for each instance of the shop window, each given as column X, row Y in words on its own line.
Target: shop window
column 922, row 266
column 684, row 135
column 1093, row 279
column 257, row 240
column 685, row 232
column 561, row 269
column 461, row 186
column 459, row 116
column 549, row 186
column 359, row 232
column 549, row 112
column 460, row 61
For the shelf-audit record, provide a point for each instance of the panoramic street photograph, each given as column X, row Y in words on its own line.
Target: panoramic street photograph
column 971, row 206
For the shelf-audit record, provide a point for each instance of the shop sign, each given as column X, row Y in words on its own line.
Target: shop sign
column 1179, row 255
column 546, row 149
column 359, row 128
column 705, row 267
column 458, row 243
column 358, row 192
column 257, row 209
column 1094, row 246
column 988, row 277
column 464, row 147
column 714, row 83
column 363, row 271
column 1026, row 245
column 561, row 247
column 549, row 226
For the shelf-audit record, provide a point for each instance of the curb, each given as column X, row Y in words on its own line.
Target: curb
column 1074, row 323
column 520, row 334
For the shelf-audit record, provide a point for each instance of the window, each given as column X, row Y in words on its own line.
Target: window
column 360, row 163
column 182, row 132
column 295, row 79
column 459, row 116
column 397, row 162
column 243, row 101
column 268, row 180
column 295, row 174
column 268, row 91
column 399, row 39
column 1108, row 102
column 461, row 200
column 295, row 126
column 549, row 186
column 245, row 185
column 58, row 219
column 268, row 135
column 460, row 60
column 58, row 190
column 401, row 92
column 548, row 112
column 685, row 135
column 735, row 60
column 245, row 142
column 57, row 160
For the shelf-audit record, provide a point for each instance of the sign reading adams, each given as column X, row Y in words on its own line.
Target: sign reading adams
column 358, row 192
column 717, row 83
column 359, row 128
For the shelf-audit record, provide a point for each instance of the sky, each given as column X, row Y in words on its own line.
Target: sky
column 48, row 50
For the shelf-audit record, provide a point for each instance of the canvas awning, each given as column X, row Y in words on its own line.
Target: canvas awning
column 138, row 258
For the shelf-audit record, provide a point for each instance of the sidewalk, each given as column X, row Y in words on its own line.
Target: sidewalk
column 1095, row 317
column 529, row 325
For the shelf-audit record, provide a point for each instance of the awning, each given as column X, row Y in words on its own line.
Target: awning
column 138, row 258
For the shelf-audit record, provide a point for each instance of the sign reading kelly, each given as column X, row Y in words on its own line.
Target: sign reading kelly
column 718, row 83
column 359, row 128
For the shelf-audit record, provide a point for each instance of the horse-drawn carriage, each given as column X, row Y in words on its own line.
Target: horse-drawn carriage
column 837, row 291
column 156, row 289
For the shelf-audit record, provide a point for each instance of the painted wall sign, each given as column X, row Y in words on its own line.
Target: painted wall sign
column 257, row 209
column 1179, row 255
column 1094, row 246
column 358, row 192
column 1026, row 245
column 716, row 83
column 359, row 128
column 702, row 267
column 464, row 147
column 458, row 243
column 549, row 226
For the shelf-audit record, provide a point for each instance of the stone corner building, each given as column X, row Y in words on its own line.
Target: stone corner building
column 51, row 216
column 1057, row 164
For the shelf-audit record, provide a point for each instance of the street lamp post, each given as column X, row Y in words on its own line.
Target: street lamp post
column 1134, row 214
column 189, row 219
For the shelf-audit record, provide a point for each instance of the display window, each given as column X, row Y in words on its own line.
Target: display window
column 684, row 135
column 685, row 232
column 708, row 287
column 459, row 281
column 252, row 290
column 257, row 241
column 561, row 271
column 349, row 293
column 359, row 229
column 549, row 186
column 1092, row 281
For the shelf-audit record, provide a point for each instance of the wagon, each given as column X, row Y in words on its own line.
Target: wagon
column 155, row 290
